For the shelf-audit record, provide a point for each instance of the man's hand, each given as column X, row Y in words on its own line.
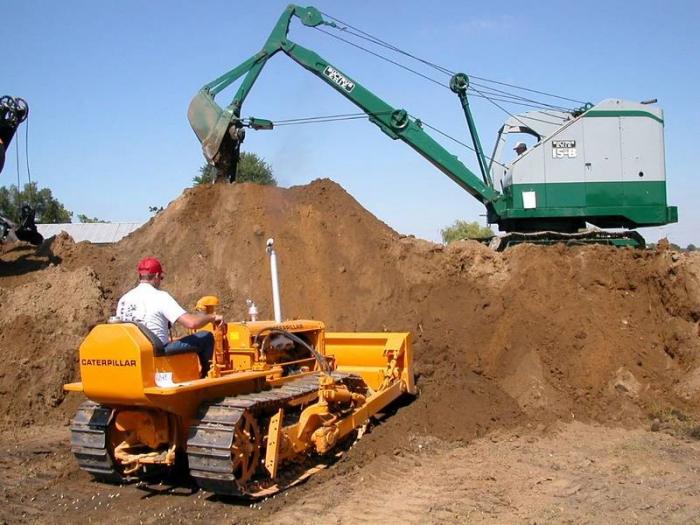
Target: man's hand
column 198, row 320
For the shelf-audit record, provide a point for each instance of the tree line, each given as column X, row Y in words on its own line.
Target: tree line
column 49, row 210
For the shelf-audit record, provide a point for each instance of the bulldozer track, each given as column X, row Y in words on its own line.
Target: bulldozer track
column 211, row 440
column 210, row 446
column 88, row 439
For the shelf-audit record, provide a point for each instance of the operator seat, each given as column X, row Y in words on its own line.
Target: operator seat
column 159, row 355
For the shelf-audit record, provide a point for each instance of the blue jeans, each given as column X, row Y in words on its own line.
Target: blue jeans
column 202, row 343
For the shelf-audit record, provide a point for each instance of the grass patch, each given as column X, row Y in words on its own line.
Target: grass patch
column 673, row 421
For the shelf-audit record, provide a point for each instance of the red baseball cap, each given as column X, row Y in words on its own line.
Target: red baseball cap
column 149, row 265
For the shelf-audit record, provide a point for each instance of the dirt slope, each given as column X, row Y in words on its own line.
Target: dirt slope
column 502, row 341
column 536, row 332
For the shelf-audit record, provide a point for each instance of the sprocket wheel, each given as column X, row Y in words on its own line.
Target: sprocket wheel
column 245, row 449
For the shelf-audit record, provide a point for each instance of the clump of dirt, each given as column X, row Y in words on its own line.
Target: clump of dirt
column 532, row 334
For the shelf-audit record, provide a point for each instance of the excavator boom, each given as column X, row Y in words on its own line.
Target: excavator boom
column 219, row 130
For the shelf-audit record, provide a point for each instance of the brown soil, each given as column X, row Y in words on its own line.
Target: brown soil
column 505, row 341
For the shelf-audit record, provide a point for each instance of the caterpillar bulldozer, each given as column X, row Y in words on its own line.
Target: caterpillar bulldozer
column 281, row 400
column 599, row 164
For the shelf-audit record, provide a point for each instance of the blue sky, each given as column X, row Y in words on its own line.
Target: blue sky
column 108, row 84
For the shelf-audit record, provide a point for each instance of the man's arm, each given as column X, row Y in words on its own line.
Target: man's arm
column 175, row 313
column 195, row 321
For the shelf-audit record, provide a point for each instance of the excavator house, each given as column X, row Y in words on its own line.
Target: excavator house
column 281, row 400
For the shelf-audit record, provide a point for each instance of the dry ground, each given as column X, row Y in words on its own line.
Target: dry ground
column 519, row 356
column 569, row 473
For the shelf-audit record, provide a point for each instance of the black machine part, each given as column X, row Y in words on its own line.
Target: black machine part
column 14, row 111
column 25, row 231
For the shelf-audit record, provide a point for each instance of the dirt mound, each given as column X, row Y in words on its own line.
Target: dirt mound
column 533, row 334
column 42, row 325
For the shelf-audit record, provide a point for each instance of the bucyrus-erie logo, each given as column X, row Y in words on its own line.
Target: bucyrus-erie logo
column 338, row 78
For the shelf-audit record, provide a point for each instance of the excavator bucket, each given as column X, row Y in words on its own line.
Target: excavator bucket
column 209, row 122
column 219, row 131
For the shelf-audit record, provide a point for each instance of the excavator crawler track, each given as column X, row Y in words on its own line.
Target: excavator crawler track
column 212, row 449
column 88, row 439
column 591, row 236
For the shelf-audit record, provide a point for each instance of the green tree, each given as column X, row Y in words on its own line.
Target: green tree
column 48, row 209
column 465, row 230
column 251, row 168
column 691, row 248
column 85, row 219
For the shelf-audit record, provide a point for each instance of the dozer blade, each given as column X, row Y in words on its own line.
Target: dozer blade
column 380, row 358
column 219, row 131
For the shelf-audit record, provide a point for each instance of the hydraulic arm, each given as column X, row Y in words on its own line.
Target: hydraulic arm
column 221, row 130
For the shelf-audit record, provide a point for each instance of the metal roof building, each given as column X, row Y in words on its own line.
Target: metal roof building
column 95, row 232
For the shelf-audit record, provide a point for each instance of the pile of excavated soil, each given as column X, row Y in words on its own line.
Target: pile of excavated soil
column 530, row 335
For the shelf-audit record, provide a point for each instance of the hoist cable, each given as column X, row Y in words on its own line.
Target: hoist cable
column 321, row 120
column 527, row 89
column 502, row 93
column 293, row 120
column 392, row 47
column 498, row 97
column 503, row 109
column 426, row 77
column 446, row 135
column 378, row 41
column 384, row 58
column 26, row 154
column 19, row 196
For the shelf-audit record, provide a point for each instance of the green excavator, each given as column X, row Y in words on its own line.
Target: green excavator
column 600, row 165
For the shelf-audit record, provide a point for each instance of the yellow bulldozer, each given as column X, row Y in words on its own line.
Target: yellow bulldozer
column 281, row 399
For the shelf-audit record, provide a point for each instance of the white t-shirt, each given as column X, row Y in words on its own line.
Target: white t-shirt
column 150, row 307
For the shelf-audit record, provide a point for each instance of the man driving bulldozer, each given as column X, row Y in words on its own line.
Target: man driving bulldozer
column 156, row 309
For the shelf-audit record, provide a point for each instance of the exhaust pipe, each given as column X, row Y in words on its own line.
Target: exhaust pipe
column 275, row 281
